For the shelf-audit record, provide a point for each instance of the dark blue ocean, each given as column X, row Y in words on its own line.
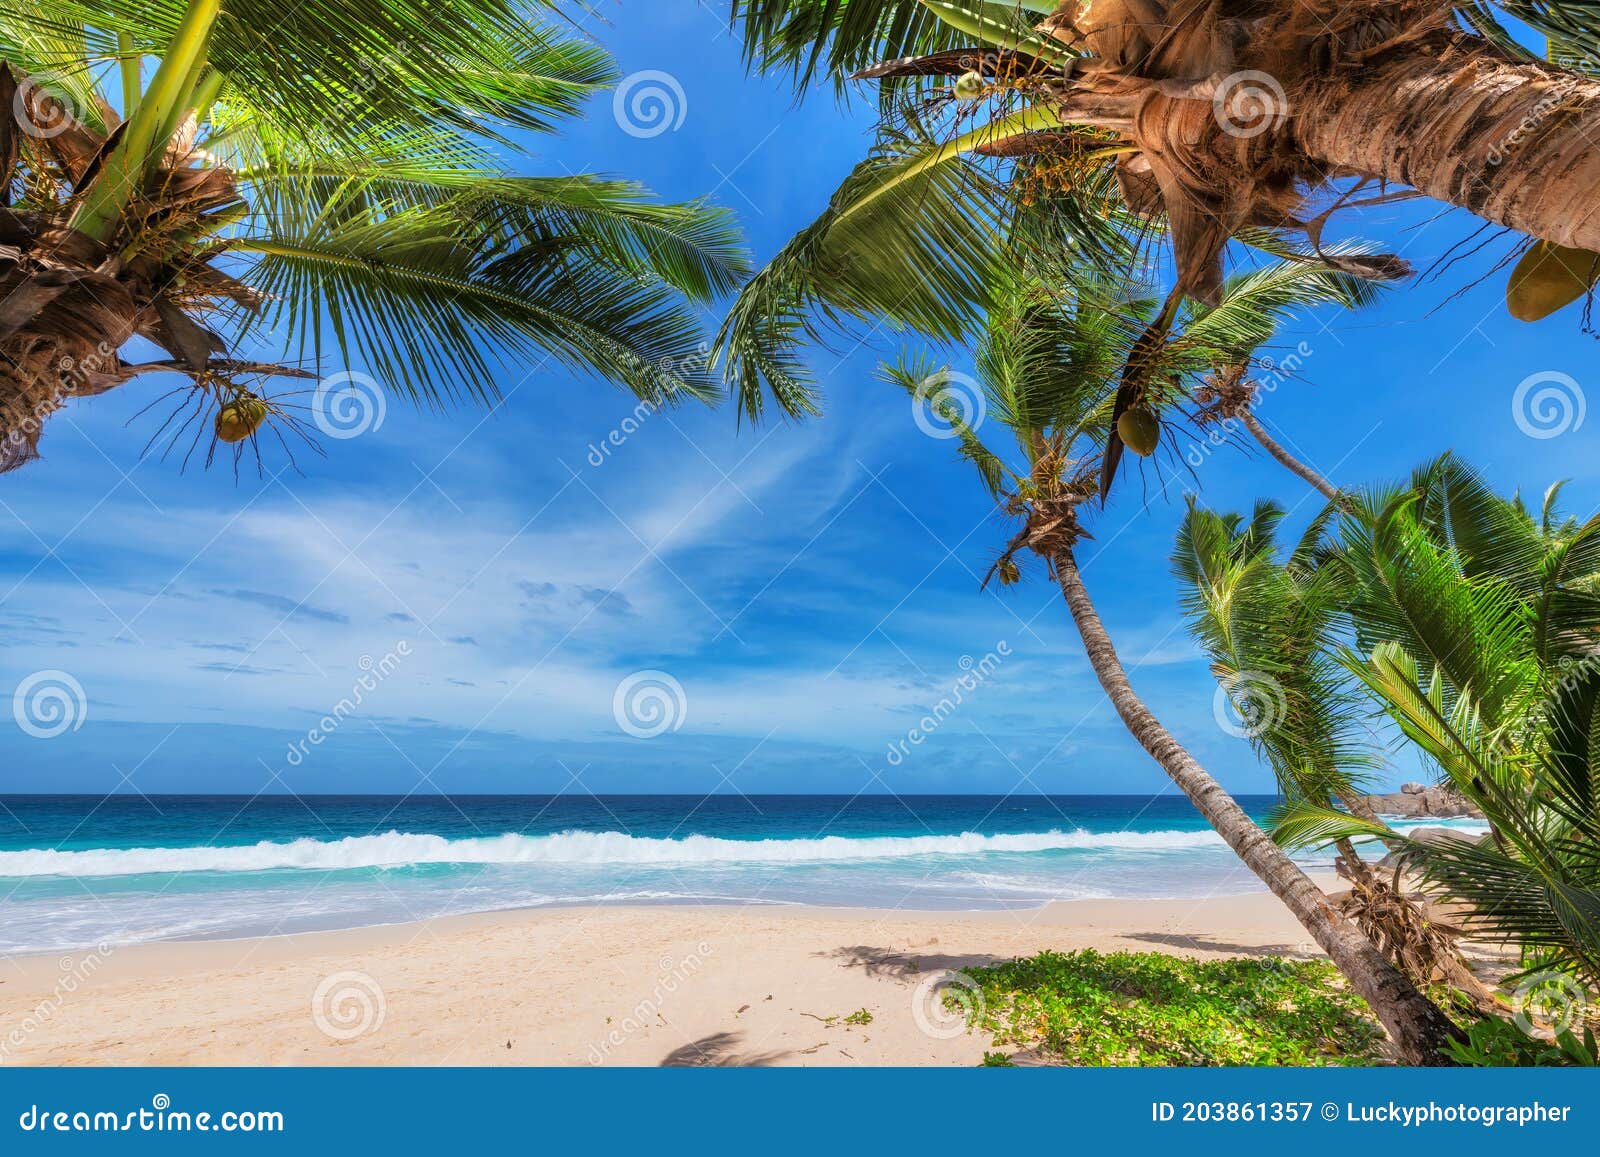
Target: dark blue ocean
column 77, row 871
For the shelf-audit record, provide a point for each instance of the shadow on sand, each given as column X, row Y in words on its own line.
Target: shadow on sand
column 1203, row 943
column 905, row 965
column 720, row 1050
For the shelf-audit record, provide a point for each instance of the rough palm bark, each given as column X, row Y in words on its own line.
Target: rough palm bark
column 1395, row 922
column 1234, row 111
column 1513, row 141
column 69, row 301
column 1417, row 1026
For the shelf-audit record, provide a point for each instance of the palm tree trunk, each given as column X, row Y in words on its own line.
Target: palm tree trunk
column 1417, row 1026
column 1511, row 140
column 1271, row 445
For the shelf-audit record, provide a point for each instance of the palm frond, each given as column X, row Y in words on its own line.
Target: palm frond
column 915, row 245
column 929, row 385
column 339, row 69
column 430, row 302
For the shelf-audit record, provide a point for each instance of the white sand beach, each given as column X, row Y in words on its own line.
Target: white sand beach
column 580, row 986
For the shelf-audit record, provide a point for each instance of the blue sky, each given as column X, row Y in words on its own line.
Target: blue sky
column 813, row 589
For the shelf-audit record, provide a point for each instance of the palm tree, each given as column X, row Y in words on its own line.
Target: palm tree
column 1224, row 117
column 197, row 173
column 1100, row 124
column 1271, row 627
column 1047, row 366
column 1475, row 625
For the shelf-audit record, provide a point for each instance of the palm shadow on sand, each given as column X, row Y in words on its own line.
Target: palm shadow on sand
column 1202, row 943
column 903, row 965
column 720, row 1050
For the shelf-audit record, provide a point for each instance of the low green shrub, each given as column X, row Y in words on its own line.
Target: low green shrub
column 1148, row 1008
column 1495, row 1043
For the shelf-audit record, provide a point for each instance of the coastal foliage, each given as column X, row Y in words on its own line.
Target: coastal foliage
column 1150, row 1008
column 1472, row 624
column 344, row 181
column 1496, row 1043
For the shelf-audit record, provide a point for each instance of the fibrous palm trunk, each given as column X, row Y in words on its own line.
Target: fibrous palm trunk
column 71, row 299
column 1513, row 141
column 1417, row 1026
column 1234, row 111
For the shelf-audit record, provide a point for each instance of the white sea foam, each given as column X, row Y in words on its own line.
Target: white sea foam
column 401, row 849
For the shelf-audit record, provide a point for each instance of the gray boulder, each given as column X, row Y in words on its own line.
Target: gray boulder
column 1437, row 801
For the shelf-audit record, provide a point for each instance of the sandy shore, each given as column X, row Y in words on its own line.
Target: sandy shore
column 579, row 986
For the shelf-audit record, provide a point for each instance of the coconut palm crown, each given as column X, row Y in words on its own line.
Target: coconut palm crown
column 245, row 185
column 1201, row 121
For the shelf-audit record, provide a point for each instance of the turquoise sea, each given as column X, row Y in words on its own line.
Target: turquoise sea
column 77, row 871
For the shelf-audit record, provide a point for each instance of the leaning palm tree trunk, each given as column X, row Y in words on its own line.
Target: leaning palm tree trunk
column 1272, row 446
column 1511, row 140
column 1416, row 1024
column 1389, row 90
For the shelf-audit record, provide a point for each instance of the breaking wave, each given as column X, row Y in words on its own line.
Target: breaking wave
column 402, row 849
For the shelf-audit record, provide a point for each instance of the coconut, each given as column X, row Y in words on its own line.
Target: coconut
column 969, row 86
column 1549, row 277
column 1140, row 431
column 1009, row 573
column 240, row 418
